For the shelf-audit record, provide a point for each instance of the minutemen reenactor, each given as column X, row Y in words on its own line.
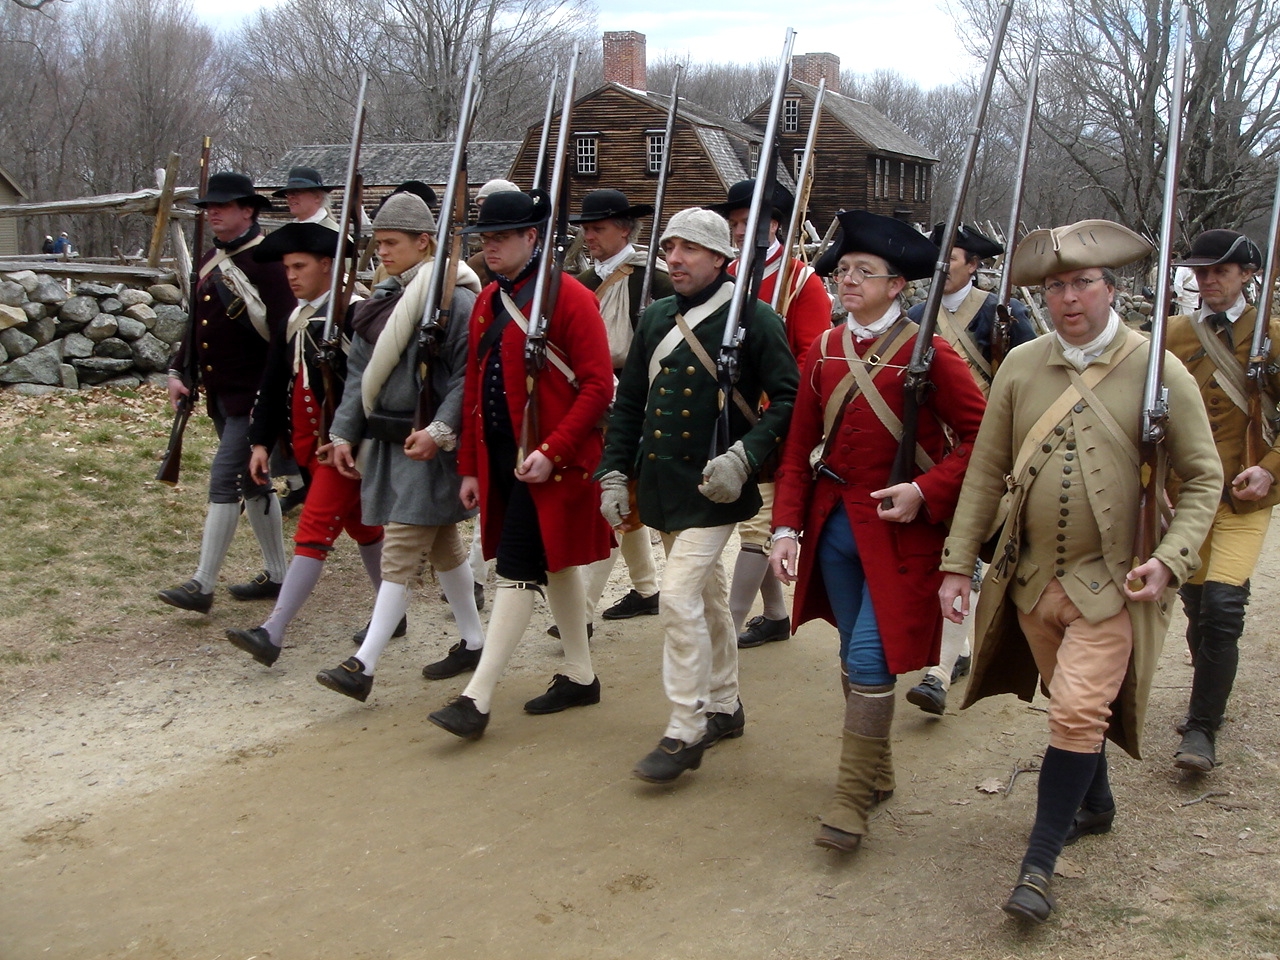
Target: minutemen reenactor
column 308, row 197
column 240, row 305
column 806, row 311
column 660, row 432
column 1214, row 343
column 1063, row 604
column 966, row 321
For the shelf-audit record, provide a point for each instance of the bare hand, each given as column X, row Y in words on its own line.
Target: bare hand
column 177, row 390
column 470, row 492
column 420, row 445
column 782, row 558
column 344, row 461
column 1252, row 483
column 536, row 468
column 260, row 464
column 1147, row 581
column 899, row 503
column 955, row 586
column 323, row 453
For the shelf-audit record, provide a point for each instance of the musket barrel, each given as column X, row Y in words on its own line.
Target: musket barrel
column 1024, row 153
column 353, row 163
column 651, row 261
column 1261, row 330
column 803, row 181
column 540, row 165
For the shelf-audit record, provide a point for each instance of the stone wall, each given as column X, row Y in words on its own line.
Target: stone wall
column 94, row 334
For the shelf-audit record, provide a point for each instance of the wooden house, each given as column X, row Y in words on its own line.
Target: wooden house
column 10, row 193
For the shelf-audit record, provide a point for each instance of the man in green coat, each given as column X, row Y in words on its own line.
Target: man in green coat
column 660, row 434
column 1063, row 602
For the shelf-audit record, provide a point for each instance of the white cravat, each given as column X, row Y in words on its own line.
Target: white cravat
column 951, row 301
column 877, row 328
column 1233, row 312
column 605, row 268
column 1081, row 357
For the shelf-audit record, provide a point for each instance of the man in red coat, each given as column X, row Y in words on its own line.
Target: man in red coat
column 805, row 309
column 872, row 549
column 531, row 500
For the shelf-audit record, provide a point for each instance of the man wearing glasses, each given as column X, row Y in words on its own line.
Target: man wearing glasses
column 1064, row 604
column 1214, row 342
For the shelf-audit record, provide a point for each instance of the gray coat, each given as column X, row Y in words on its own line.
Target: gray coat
column 394, row 488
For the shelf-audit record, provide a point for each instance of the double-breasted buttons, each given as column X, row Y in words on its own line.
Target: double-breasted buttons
column 690, row 370
column 687, row 392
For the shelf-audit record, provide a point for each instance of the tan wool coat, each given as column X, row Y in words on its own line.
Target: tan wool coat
column 1032, row 377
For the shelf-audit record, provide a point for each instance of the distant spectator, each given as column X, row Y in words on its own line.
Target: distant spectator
column 47, row 246
column 62, row 244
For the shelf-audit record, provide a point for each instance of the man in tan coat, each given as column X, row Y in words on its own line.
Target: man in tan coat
column 1061, row 604
column 1214, row 342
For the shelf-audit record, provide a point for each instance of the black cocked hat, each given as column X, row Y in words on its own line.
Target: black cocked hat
column 607, row 204
column 302, row 178
column 908, row 252
column 739, row 198
column 967, row 238
column 1222, row 246
column 311, row 238
column 228, row 187
column 511, row 210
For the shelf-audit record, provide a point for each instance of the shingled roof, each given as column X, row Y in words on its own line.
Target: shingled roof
column 390, row 164
column 879, row 132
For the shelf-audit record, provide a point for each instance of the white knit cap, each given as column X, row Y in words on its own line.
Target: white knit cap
column 496, row 186
column 703, row 227
column 407, row 212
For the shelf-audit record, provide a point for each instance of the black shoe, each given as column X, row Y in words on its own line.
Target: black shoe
column 188, row 597
column 1031, row 898
column 839, row 840
column 1086, row 822
column 347, row 677
column 461, row 718
column 459, row 659
column 929, row 696
column 961, row 669
column 761, row 630
column 257, row 643
column 632, row 605
column 261, row 587
column 401, row 629
column 1195, row 753
column 293, row 500
column 669, row 759
column 724, row 726
column 564, row 693
column 479, row 590
column 554, row 631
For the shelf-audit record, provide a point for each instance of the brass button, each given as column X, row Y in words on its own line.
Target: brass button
column 207, row 298
column 208, row 368
column 662, row 391
column 657, row 434
column 545, row 447
column 690, row 370
column 204, row 346
column 688, row 392
column 685, row 413
column 558, row 478
column 653, row 456
column 556, row 459
column 685, row 435
column 204, row 323
column 666, row 369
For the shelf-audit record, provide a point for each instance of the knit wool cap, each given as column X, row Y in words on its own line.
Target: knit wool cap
column 496, row 186
column 703, row 227
column 407, row 212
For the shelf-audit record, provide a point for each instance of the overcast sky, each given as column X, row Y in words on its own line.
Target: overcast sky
column 917, row 38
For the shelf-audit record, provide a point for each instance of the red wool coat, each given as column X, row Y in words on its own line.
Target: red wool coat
column 901, row 560
column 809, row 314
column 573, row 532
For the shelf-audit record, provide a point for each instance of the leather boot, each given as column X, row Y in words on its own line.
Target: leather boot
column 1221, row 624
column 845, row 822
column 1190, row 594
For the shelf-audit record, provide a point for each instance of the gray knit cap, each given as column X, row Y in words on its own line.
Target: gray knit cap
column 703, row 227
column 407, row 212
column 496, row 186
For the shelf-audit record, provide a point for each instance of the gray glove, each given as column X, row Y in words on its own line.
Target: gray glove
column 615, row 502
column 723, row 476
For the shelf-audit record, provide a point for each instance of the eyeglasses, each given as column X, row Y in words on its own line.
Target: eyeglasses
column 856, row 275
column 1056, row 288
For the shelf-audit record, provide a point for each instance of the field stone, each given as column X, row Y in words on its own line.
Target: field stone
column 38, row 389
column 142, row 313
column 4, row 355
column 170, row 329
column 79, row 310
column 69, row 378
column 12, row 294
column 165, row 293
column 131, row 297
column 150, row 354
column 91, row 289
column 50, row 291
column 42, row 365
column 77, row 346
column 27, row 278
column 99, row 369
column 113, row 347
column 157, row 379
column 42, row 330
column 100, row 327
column 17, row 343
column 110, row 305
column 125, row 382
column 35, row 311
column 129, row 329
column 12, row 317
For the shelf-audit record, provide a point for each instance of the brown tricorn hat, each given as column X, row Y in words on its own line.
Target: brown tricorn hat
column 1077, row 246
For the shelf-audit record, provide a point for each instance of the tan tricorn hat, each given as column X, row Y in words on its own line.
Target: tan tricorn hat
column 1077, row 246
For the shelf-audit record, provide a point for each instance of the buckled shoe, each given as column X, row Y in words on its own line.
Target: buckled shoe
column 347, row 678
column 1031, row 898
column 187, row 596
column 724, row 726
column 461, row 718
column 257, row 643
column 261, row 587
column 929, row 695
column 668, row 760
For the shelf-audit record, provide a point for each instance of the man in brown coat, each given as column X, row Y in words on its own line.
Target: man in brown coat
column 1214, row 343
column 1061, row 603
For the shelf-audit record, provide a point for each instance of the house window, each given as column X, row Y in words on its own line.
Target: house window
column 587, row 156
column 797, row 164
column 876, row 188
column 790, row 115
column 657, row 145
column 902, row 180
column 753, row 158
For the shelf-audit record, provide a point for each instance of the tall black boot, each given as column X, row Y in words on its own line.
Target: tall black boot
column 1221, row 624
column 1190, row 593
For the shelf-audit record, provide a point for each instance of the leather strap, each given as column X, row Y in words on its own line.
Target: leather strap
column 709, row 365
column 1231, row 371
column 553, row 352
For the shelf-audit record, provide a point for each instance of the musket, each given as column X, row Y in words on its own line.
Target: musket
column 546, row 290
column 804, row 186
column 755, row 248
column 916, row 384
column 171, row 465
column 651, row 260
column 1002, row 331
column 540, row 165
column 1261, row 429
column 342, row 280
column 438, row 309
column 1155, row 395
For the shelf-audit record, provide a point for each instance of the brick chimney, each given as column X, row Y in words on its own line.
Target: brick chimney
column 624, row 59
column 810, row 68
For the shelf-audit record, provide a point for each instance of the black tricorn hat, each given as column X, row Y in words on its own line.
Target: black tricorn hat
column 1221, row 246
column 607, row 204
column 227, row 187
column 417, row 188
column 311, row 238
column 739, row 198
column 967, row 238
column 511, row 210
column 907, row 251
column 302, row 178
